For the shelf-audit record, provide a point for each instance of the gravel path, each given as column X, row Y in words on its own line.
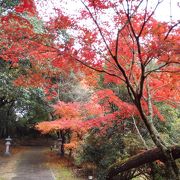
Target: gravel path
column 28, row 165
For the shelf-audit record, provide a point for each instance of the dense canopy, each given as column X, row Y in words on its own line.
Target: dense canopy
column 108, row 68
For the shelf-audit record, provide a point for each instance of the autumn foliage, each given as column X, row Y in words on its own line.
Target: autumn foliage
column 121, row 40
column 26, row 6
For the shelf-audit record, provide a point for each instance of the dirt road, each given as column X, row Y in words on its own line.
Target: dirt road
column 28, row 165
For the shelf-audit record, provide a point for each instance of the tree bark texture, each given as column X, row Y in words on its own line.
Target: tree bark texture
column 148, row 156
column 172, row 169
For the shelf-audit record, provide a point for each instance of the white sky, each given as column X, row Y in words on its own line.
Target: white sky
column 162, row 13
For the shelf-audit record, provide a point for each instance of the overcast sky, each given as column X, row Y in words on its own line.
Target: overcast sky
column 162, row 13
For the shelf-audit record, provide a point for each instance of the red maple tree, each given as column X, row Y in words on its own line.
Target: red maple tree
column 123, row 40
column 71, row 120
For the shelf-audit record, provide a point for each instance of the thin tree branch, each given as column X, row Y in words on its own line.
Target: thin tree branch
column 98, row 70
column 100, row 31
column 146, row 20
column 142, row 139
column 171, row 28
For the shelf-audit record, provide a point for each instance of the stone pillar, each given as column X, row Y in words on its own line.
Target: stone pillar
column 8, row 143
column 90, row 177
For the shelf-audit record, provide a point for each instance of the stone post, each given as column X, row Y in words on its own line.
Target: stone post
column 8, row 143
column 90, row 177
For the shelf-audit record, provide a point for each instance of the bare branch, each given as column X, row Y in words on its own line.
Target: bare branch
column 100, row 31
column 157, row 69
column 145, row 15
column 117, row 44
column 171, row 28
column 142, row 139
column 98, row 70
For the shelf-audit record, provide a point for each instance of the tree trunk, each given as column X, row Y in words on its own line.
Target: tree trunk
column 62, row 142
column 148, row 156
column 173, row 172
